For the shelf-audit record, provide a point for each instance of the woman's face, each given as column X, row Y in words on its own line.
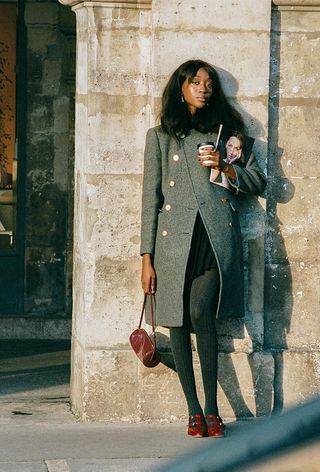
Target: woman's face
column 233, row 147
column 197, row 91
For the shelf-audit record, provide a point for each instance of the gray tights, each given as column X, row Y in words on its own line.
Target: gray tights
column 200, row 303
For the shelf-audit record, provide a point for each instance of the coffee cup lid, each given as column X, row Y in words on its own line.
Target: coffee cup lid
column 208, row 143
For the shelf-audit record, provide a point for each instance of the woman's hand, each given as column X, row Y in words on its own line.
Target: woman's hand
column 148, row 275
column 213, row 159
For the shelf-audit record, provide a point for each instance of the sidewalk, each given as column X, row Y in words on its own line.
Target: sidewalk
column 38, row 433
column 91, row 448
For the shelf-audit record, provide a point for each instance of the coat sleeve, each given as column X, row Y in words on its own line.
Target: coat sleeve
column 250, row 178
column 152, row 198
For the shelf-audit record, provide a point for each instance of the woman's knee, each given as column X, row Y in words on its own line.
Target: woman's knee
column 199, row 314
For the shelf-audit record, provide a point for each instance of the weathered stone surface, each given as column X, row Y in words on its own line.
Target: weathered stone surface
column 120, row 70
column 241, row 335
column 108, row 186
column 246, row 387
column 292, row 305
column 303, row 82
column 298, row 377
column 44, row 13
column 246, row 384
column 243, row 392
column 122, row 154
column 298, row 5
column 117, row 218
column 298, row 149
column 48, row 175
column 293, row 226
column 108, row 388
column 43, row 328
column 170, row 52
column 218, row 15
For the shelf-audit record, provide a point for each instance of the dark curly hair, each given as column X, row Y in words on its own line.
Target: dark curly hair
column 176, row 119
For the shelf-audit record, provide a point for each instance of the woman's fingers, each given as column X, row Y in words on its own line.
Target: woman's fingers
column 153, row 284
column 212, row 159
column 148, row 280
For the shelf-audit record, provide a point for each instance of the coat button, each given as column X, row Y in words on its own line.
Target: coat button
column 230, row 224
column 164, row 233
column 168, row 207
column 176, row 157
column 172, row 183
column 224, row 200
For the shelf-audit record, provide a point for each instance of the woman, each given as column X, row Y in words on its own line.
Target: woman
column 190, row 239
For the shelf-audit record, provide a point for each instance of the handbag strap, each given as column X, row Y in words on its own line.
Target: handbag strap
column 152, row 310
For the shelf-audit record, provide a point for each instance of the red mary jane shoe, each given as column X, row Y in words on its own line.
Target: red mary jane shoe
column 215, row 426
column 197, row 427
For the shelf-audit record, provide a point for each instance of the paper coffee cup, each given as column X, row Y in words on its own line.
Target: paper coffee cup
column 204, row 149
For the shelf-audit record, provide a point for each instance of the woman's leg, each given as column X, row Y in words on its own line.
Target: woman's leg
column 203, row 304
column 182, row 353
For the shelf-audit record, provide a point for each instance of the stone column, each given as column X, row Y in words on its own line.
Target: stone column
column 292, row 328
column 113, row 110
column 112, row 115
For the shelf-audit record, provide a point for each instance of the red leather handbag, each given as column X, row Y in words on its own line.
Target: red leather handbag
column 143, row 344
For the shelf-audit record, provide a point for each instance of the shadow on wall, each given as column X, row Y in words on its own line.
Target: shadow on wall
column 278, row 276
column 268, row 280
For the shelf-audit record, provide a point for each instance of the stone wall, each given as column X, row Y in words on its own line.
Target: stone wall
column 292, row 328
column 50, row 30
column 125, row 53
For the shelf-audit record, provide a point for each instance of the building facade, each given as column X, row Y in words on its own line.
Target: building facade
column 266, row 53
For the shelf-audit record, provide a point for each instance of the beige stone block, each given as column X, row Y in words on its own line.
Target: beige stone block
column 117, row 303
column 298, row 143
column 81, row 142
column 117, row 201
column 115, row 386
column 77, row 381
column 109, row 301
column 304, row 330
column 83, row 278
column 292, row 307
column 170, row 51
column 109, row 386
column 160, row 394
column 300, row 21
column 218, row 15
column 245, row 388
column 245, row 384
column 299, row 78
column 298, row 377
column 121, row 66
column 254, row 111
column 125, row 121
column 299, row 222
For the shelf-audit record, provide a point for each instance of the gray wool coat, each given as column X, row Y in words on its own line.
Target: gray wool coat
column 175, row 189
